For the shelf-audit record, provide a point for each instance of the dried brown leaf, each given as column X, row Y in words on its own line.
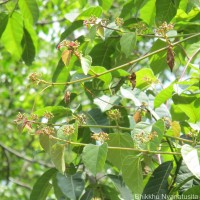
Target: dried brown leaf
column 170, row 58
column 137, row 116
column 132, row 79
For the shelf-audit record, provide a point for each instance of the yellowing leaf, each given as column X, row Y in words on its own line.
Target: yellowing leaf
column 176, row 128
column 66, row 56
column 100, row 32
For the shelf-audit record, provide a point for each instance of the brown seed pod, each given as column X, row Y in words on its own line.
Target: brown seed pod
column 132, row 79
column 170, row 57
column 137, row 116
column 67, row 97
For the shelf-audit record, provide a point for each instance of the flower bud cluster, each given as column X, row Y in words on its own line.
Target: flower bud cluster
column 114, row 115
column 119, row 21
column 81, row 118
column 47, row 130
column 102, row 137
column 48, row 115
column 164, row 28
column 35, row 77
column 68, row 130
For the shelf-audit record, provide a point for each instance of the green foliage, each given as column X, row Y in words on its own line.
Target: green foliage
column 99, row 99
column 94, row 157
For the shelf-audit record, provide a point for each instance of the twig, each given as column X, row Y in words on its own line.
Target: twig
column 8, row 164
column 24, row 185
column 188, row 62
column 120, row 66
column 4, row 2
column 42, row 23
column 120, row 148
column 16, row 153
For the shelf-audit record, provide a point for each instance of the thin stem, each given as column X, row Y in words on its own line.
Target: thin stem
column 172, row 150
column 113, row 127
column 120, row 66
column 24, row 185
column 104, row 126
column 14, row 8
column 16, row 153
column 4, row 2
column 188, row 62
column 119, row 148
column 146, row 35
column 45, row 22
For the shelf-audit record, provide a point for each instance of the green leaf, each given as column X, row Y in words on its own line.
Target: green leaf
column 127, row 10
column 101, row 55
column 100, row 32
column 75, row 25
column 42, row 187
column 148, row 11
column 127, row 93
column 190, row 156
column 86, row 63
column 159, row 129
column 132, row 174
column 57, row 111
column 117, row 156
column 158, row 61
column 128, row 42
column 57, row 156
column 29, row 10
column 94, row 157
column 4, row 21
column 158, row 183
column 59, row 68
column 105, row 4
column 13, row 35
column 106, row 78
column 92, row 11
column 125, row 193
column 188, row 104
column 28, row 54
column 88, row 195
column 166, row 10
column 194, row 192
column 105, row 102
column 58, row 193
column 185, row 179
column 163, row 95
column 177, row 114
column 46, row 142
column 71, row 186
column 120, row 73
column 144, row 78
